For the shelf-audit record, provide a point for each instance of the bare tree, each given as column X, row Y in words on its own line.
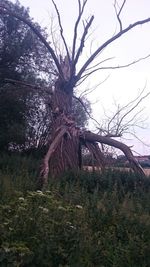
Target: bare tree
column 64, row 151
column 124, row 119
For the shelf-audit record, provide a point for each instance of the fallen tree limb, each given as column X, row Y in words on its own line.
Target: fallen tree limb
column 96, row 152
column 45, row 167
column 91, row 137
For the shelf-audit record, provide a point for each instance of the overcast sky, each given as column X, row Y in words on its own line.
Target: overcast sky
column 121, row 85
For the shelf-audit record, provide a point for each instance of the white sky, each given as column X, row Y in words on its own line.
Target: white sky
column 123, row 84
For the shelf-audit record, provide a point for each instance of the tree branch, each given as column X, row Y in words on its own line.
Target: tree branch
column 26, row 84
column 93, row 88
column 125, row 117
column 81, row 10
column 82, row 40
column 81, row 102
column 139, row 139
column 5, row 10
column 119, row 13
column 109, row 41
column 97, row 153
column 51, row 150
column 121, row 109
column 130, row 110
column 61, row 31
column 86, row 75
column 91, row 137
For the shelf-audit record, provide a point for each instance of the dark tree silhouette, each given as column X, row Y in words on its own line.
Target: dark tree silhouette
column 22, row 57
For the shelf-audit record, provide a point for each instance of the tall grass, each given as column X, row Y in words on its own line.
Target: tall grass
column 17, row 173
column 82, row 220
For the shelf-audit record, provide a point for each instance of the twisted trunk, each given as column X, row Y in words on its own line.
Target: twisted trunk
column 63, row 152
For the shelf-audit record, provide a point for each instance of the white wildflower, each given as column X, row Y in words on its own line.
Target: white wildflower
column 79, row 207
column 61, row 208
column 39, row 192
column 45, row 210
column 21, row 198
column 70, row 225
column 22, row 208
column 5, row 223
column 7, row 249
column 73, row 227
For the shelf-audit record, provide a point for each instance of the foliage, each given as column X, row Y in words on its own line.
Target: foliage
column 24, row 112
column 22, row 57
column 80, row 112
column 12, row 120
column 81, row 220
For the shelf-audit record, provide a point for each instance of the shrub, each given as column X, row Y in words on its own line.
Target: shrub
column 82, row 219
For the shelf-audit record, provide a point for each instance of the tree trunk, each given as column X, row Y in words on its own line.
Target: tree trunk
column 64, row 148
column 64, row 151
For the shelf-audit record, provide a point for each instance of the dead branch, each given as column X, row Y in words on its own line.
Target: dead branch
column 86, row 75
column 99, row 63
column 139, row 139
column 45, row 168
column 108, row 42
column 126, row 118
column 125, row 107
column 133, row 108
column 6, row 10
column 92, row 89
column 53, row 39
column 81, row 10
column 61, row 31
column 120, row 127
column 91, row 137
column 119, row 12
column 133, row 122
column 88, row 24
column 96, row 152
column 81, row 102
column 27, row 85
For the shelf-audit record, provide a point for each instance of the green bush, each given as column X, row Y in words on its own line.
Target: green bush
column 82, row 220
column 48, row 230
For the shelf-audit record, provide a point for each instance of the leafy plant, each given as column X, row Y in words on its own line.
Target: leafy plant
column 82, row 219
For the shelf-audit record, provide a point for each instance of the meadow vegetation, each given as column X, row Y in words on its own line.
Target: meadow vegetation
column 80, row 220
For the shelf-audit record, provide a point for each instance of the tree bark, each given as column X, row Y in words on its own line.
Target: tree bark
column 63, row 152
